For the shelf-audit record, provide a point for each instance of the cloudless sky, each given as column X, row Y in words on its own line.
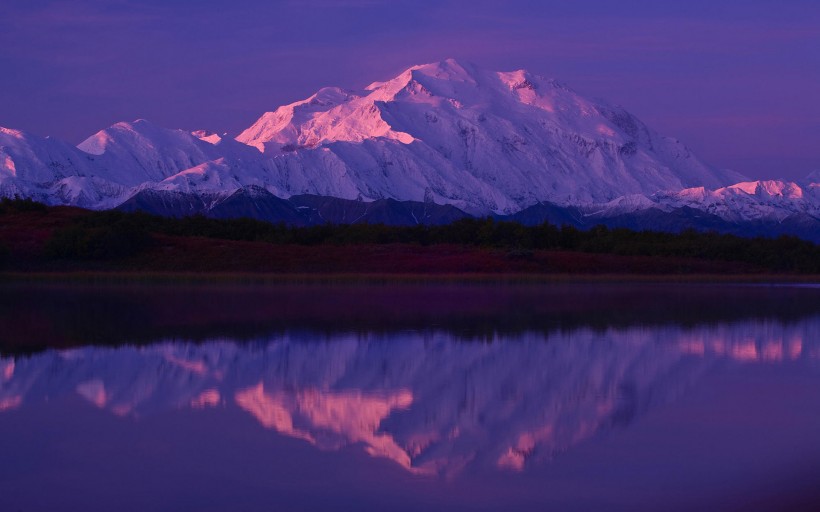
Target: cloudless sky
column 738, row 81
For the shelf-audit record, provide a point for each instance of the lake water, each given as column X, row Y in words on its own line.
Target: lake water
column 409, row 397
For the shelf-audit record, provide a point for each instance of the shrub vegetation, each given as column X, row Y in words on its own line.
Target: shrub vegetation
column 114, row 234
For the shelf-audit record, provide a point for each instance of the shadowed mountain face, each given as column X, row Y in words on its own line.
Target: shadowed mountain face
column 321, row 210
column 302, row 210
column 305, row 210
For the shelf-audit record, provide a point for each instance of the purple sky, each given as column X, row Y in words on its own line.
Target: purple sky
column 737, row 80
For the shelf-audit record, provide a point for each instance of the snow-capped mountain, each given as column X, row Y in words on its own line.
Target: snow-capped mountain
column 428, row 402
column 749, row 200
column 765, row 208
column 446, row 133
column 52, row 171
column 481, row 140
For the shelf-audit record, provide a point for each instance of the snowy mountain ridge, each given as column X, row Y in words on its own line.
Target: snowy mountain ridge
column 446, row 133
column 750, row 200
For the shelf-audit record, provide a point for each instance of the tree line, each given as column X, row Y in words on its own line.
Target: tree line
column 114, row 234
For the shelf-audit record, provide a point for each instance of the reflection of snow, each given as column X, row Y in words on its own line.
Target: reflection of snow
column 424, row 400
column 93, row 391
column 766, row 348
column 193, row 366
column 515, row 456
column 354, row 416
column 6, row 369
column 208, row 398
column 10, row 402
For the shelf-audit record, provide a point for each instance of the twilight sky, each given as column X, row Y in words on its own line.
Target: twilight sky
column 736, row 80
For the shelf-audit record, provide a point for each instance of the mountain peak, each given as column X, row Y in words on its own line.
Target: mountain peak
column 280, row 126
column 137, row 125
column 448, row 69
column 131, row 153
column 767, row 189
column 485, row 141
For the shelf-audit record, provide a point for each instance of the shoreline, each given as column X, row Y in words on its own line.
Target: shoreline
column 255, row 278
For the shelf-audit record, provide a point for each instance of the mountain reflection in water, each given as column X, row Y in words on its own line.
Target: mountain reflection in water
column 425, row 400
column 405, row 397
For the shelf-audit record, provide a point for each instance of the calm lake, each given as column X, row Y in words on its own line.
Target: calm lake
column 409, row 397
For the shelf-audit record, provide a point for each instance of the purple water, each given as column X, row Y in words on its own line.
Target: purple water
column 623, row 412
